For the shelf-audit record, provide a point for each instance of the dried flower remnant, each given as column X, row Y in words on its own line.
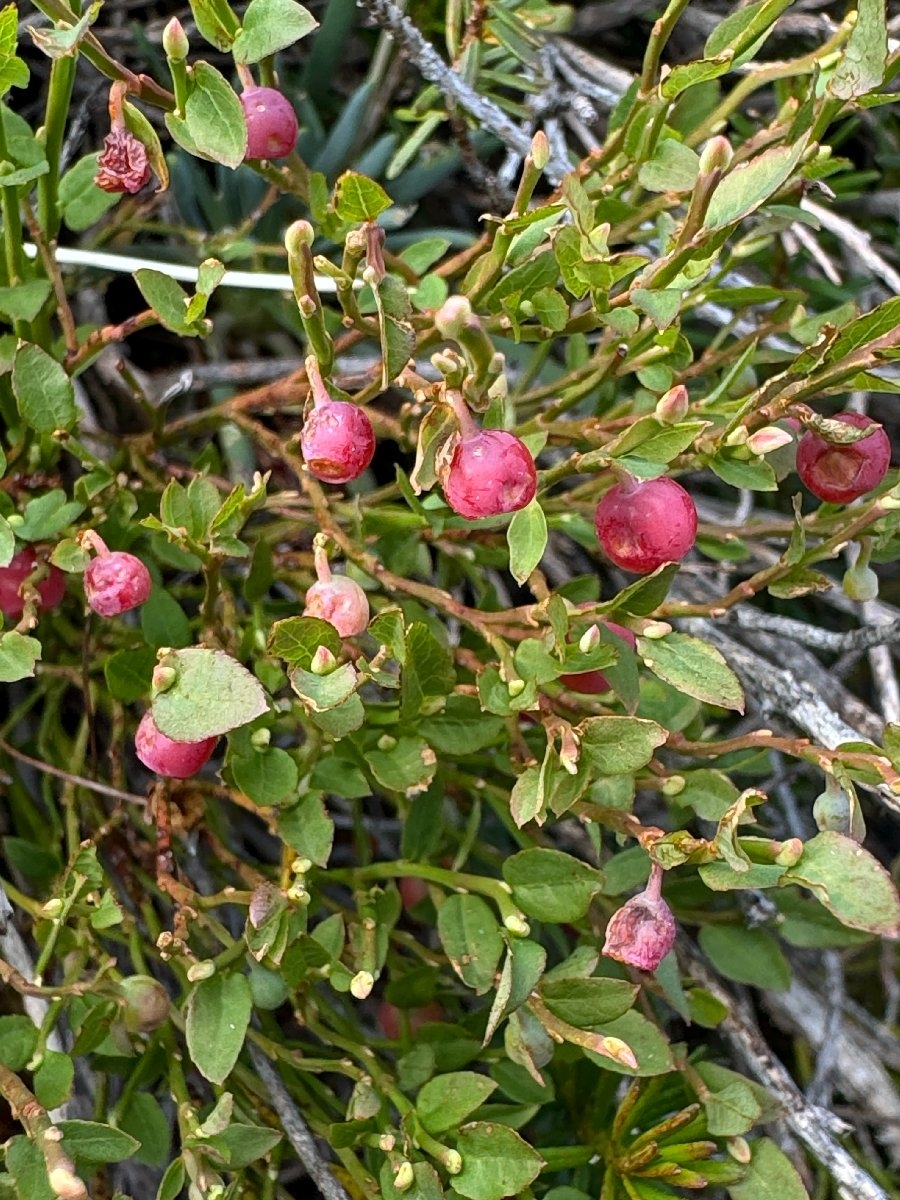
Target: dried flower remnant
column 642, row 932
column 124, row 163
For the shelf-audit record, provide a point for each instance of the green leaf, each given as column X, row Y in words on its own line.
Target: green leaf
column 128, row 673
column 662, row 306
column 688, row 75
column 427, row 672
column 81, row 201
column 296, row 640
column 694, row 668
column 732, row 1111
column 268, row 777
column 169, row 301
column 18, row 1039
column 588, row 1002
column 211, row 694
column 26, row 1165
column 673, row 168
column 396, row 333
column 750, row 184
column 145, row 1120
column 269, row 26
column 849, row 882
column 619, row 745
column 471, row 939
column 215, row 22
column 308, row 829
column 62, row 40
column 357, row 198
column 646, row 1041
column 496, row 1162
column 96, row 1143
column 218, row 1013
column 24, row 301
column 462, row 728
column 47, row 515
column 243, row 1144
column 425, row 1185
column 13, row 72
column 770, row 1176
column 321, row 693
column 43, row 391
column 749, row 956
column 744, row 31
column 527, row 539
column 19, row 655
column 550, row 885
column 7, row 539
column 163, row 620
column 862, row 64
column 444, row 1102
column 213, row 126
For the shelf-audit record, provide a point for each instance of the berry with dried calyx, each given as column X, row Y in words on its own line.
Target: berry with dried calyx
column 642, row 524
column 50, row 589
column 115, row 581
column 643, row 931
column 271, row 123
column 177, row 760
column 841, row 472
column 593, row 683
column 491, row 471
column 337, row 439
column 336, row 599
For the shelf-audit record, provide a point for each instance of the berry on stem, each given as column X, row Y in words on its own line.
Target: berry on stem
column 336, row 599
column 115, row 581
column 841, row 473
column 491, row 471
column 642, row 524
column 177, row 760
column 337, row 439
column 50, row 589
column 271, row 123
column 593, row 683
column 643, row 931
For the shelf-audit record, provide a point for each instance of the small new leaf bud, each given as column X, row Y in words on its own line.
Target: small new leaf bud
column 260, row 739
column 453, row 316
column 162, row 679
column 738, row 436
column 716, row 154
column 515, row 687
column 540, row 150
column 404, row 1176
column 361, row 984
column 323, row 661
column 768, row 439
column 654, row 630
column 201, row 970
column 453, row 1162
column 789, row 853
column 300, row 234
column 516, row 924
column 175, row 42
column 673, row 406
column 643, row 931
column 674, row 785
column 589, row 640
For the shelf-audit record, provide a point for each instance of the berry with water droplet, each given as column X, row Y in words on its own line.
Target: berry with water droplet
column 271, row 123
column 840, row 473
column 642, row 524
column 177, row 760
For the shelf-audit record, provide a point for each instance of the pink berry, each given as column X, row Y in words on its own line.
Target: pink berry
column 51, row 588
column 841, row 473
column 342, row 602
column 643, row 931
column 271, row 123
column 593, row 683
column 115, row 582
column 642, row 524
column 337, row 441
column 161, row 754
column 491, row 473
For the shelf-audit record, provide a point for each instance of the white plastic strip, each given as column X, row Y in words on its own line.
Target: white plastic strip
column 100, row 260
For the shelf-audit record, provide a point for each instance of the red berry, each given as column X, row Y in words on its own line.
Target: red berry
column 116, row 582
column 592, row 683
column 642, row 524
column 51, row 588
column 271, row 123
column 161, row 754
column 342, row 602
column 491, row 472
column 412, row 890
column 337, row 441
column 841, row 473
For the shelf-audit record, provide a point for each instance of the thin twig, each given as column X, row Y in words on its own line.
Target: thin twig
column 295, row 1127
column 36, row 1122
column 881, row 634
column 433, row 68
column 820, row 1086
column 77, row 780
